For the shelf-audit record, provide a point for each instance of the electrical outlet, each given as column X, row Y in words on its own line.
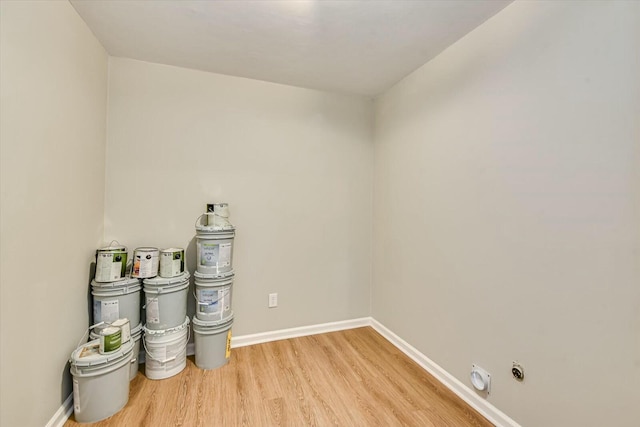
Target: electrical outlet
column 273, row 300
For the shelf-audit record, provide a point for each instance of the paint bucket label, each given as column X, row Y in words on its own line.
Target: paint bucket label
column 106, row 311
column 153, row 310
column 125, row 329
column 213, row 301
column 110, row 339
column 110, row 265
column 214, row 254
column 228, row 350
column 172, row 263
column 145, row 263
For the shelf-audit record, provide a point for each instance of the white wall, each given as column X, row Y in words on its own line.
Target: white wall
column 507, row 210
column 295, row 166
column 53, row 88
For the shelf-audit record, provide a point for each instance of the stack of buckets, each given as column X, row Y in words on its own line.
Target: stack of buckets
column 103, row 367
column 213, row 287
column 101, row 374
column 166, row 331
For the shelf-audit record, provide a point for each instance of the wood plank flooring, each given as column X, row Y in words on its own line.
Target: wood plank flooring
column 347, row 378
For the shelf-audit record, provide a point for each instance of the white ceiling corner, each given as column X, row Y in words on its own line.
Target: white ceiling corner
column 346, row 46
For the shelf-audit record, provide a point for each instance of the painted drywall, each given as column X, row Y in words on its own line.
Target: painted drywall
column 295, row 166
column 507, row 210
column 53, row 94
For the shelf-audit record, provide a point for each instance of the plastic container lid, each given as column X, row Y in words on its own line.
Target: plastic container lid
column 160, row 332
column 127, row 281
column 163, row 281
column 212, row 323
column 89, row 354
column 219, row 276
column 215, row 228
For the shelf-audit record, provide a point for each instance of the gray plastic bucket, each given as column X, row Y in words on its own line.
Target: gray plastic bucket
column 100, row 381
column 214, row 250
column 165, row 351
column 116, row 300
column 136, row 336
column 166, row 301
column 213, row 296
column 213, row 342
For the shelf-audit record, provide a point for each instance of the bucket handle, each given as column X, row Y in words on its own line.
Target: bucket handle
column 84, row 335
column 148, row 353
column 198, row 220
column 205, row 303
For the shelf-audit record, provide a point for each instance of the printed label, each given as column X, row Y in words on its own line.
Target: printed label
column 153, row 310
column 210, row 301
column 76, row 395
column 224, row 259
column 145, row 265
column 110, row 266
column 171, row 264
column 106, row 311
column 209, row 254
column 111, row 342
column 228, row 352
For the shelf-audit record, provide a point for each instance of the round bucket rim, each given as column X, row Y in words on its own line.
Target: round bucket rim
column 224, row 275
column 159, row 281
column 105, row 360
column 162, row 332
column 212, row 323
column 161, row 290
column 120, row 283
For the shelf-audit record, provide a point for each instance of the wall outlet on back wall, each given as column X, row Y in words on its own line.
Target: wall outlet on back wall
column 273, row 300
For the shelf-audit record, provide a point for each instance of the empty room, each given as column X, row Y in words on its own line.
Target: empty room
column 329, row 212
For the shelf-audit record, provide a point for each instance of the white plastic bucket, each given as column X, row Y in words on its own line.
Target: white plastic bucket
column 213, row 296
column 100, row 381
column 214, row 250
column 165, row 351
column 213, row 342
column 145, row 262
column 166, row 301
column 111, row 264
column 116, row 300
column 171, row 262
column 136, row 336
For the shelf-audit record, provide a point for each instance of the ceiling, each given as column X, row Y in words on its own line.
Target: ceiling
column 346, row 46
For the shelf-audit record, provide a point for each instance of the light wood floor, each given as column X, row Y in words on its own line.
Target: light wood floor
column 347, row 378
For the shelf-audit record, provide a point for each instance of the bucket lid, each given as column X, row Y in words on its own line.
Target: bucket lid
column 212, row 323
column 112, row 249
column 220, row 276
column 146, row 249
column 215, row 228
column 170, row 250
column 159, row 332
column 127, row 281
column 163, row 281
column 89, row 354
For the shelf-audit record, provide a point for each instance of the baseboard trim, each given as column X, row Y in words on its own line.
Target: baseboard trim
column 490, row 412
column 62, row 414
column 302, row 331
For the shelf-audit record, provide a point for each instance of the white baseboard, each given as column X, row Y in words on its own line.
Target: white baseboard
column 62, row 414
column 490, row 412
column 302, row 331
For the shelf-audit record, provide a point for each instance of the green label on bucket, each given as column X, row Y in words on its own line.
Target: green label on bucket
column 112, row 342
